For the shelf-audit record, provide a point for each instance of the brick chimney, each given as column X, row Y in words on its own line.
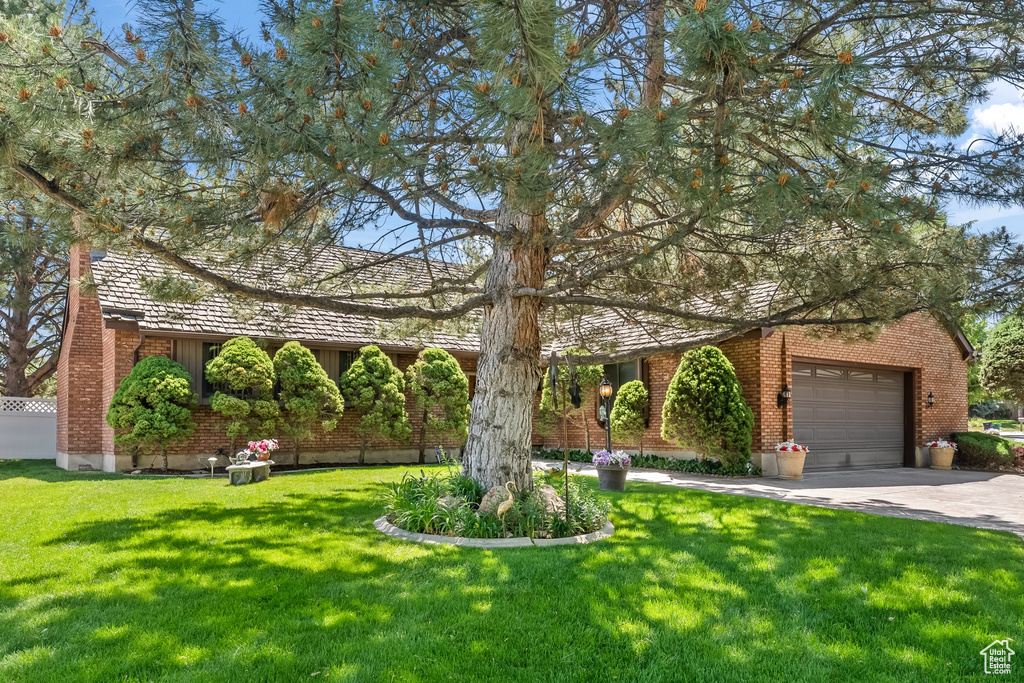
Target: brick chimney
column 81, row 408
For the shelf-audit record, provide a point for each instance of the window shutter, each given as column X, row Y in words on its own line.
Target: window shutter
column 329, row 362
column 190, row 356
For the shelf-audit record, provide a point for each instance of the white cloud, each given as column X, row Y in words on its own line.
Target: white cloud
column 1000, row 118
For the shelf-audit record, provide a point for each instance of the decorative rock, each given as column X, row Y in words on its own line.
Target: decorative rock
column 549, row 498
column 449, row 502
column 136, row 471
column 492, row 499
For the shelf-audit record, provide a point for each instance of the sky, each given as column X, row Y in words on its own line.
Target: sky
column 1003, row 109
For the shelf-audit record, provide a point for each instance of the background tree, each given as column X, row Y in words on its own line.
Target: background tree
column 376, row 389
column 704, row 409
column 628, row 418
column 976, row 331
column 33, row 289
column 308, row 396
column 552, row 408
column 441, row 390
column 155, row 403
column 709, row 167
column 244, row 378
column 1002, row 365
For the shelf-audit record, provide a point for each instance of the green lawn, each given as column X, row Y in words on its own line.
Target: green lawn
column 111, row 578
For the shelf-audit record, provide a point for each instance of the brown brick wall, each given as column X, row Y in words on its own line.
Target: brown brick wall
column 80, row 407
column 918, row 344
column 763, row 365
column 95, row 359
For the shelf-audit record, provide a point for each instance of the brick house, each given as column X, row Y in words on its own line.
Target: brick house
column 855, row 404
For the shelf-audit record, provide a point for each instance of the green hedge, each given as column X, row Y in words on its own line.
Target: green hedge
column 975, row 449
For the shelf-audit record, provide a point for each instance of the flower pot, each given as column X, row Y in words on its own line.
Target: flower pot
column 263, row 456
column 611, row 478
column 942, row 458
column 791, row 464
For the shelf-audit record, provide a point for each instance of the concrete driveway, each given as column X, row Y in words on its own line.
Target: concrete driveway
column 979, row 499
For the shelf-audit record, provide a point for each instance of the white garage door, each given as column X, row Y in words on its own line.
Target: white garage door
column 848, row 417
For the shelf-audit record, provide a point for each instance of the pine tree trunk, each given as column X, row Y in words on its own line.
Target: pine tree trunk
column 362, row 449
column 163, row 451
column 508, row 370
column 295, row 452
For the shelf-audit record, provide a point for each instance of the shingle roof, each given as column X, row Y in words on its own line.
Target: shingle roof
column 612, row 330
column 123, row 297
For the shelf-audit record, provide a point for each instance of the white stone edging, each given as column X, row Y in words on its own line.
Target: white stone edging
column 385, row 527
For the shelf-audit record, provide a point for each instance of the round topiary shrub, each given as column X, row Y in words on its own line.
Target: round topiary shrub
column 308, row 396
column 704, row 409
column 629, row 414
column 155, row 404
column 441, row 390
column 375, row 388
column 244, row 376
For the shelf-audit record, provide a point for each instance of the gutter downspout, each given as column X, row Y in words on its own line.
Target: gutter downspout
column 135, row 353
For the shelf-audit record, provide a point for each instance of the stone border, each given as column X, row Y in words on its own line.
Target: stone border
column 385, row 527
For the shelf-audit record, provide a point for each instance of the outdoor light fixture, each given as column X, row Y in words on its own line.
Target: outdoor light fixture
column 212, row 461
column 783, row 398
column 605, row 389
column 931, row 399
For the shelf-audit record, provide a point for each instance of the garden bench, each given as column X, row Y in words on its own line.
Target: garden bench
column 249, row 472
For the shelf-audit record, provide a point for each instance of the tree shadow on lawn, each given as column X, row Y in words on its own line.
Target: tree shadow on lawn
column 692, row 586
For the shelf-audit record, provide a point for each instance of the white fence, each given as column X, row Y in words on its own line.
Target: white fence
column 28, row 428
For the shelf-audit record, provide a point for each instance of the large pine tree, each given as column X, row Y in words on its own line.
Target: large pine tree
column 787, row 162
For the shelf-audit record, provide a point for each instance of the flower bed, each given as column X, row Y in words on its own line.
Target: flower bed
column 450, row 504
column 655, row 462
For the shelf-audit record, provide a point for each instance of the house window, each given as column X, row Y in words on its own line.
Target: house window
column 210, row 351
column 345, row 360
column 620, row 373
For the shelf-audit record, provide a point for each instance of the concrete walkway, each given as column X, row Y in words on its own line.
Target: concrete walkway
column 986, row 500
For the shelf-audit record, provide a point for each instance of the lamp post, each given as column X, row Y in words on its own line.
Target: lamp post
column 606, row 395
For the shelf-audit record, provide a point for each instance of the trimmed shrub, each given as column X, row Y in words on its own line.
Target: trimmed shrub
column 1002, row 363
column 155, row 403
column 308, row 396
column 375, row 388
column 441, row 391
column 704, row 409
column 628, row 421
column 975, row 449
column 244, row 376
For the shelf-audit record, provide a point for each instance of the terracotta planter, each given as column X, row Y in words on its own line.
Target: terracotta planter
column 791, row 464
column 942, row 458
column 611, row 478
